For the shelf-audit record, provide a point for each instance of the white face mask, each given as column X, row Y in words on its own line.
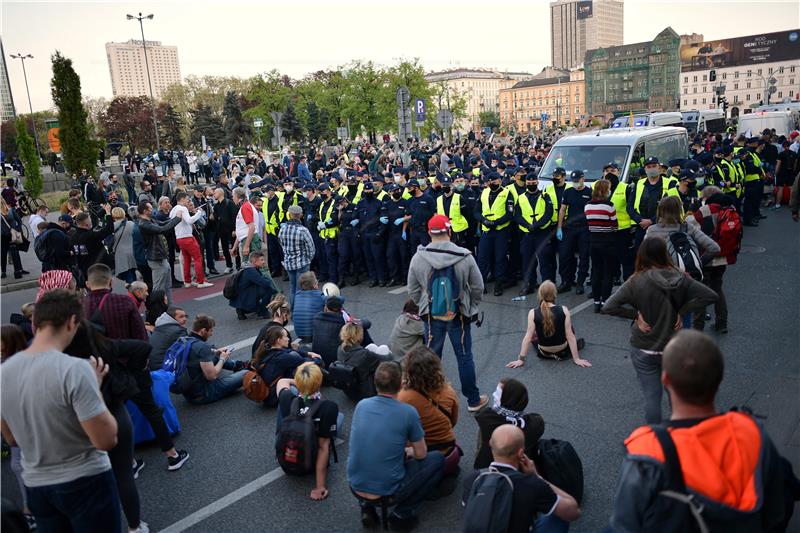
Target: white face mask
column 497, row 395
column 398, row 179
column 288, row 188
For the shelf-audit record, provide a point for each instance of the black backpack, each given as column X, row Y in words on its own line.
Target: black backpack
column 231, row 288
column 43, row 252
column 487, row 506
column 296, row 443
column 558, row 462
column 684, row 254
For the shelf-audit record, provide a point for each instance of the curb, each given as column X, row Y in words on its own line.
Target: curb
column 18, row 286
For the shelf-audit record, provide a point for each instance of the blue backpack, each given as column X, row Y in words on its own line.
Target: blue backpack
column 175, row 362
column 444, row 291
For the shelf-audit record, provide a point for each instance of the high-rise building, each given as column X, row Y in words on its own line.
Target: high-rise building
column 126, row 65
column 580, row 25
column 634, row 77
column 7, row 111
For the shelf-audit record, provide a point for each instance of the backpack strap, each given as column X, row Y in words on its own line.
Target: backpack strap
column 448, row 252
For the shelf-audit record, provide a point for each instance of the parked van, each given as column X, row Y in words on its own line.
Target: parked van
column 649, row 119
column 628, row 148
column 708, row 120
column 784, row 122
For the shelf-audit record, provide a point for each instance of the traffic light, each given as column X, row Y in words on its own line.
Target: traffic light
column 712, row 76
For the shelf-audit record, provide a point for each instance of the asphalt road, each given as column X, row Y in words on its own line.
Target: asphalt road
column 232, row 481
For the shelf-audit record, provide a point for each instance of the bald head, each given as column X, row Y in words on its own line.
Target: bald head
column 506, row 442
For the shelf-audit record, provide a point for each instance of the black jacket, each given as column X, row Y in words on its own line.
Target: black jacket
column 327, row 326
column 225, row 213
column 365, row 362
column 58, row 243
column 87, row 244
column 155, row 243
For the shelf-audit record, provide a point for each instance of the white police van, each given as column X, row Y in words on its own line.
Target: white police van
column 669, row 118
column 627, row 147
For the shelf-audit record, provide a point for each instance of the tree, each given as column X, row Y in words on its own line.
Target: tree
column 316, row 127
column 171, row 125
column 30, row 159
column 206, row 123
column 489, row 119
column 291, row 126
column 8, row 138
column 236, row 129
column 76, row 145
column 129, row 118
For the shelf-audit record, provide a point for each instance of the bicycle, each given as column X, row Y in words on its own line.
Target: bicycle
column 27, row 205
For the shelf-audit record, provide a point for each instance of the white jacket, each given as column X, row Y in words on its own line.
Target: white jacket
column 184, row 227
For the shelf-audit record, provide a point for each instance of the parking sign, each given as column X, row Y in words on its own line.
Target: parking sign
column 419, row 109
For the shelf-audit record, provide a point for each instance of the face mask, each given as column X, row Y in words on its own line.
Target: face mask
column 447, row 189
column 369, row 194
column 494, row 186
column 651, row 172
column 532, row 187
column 736, row 160
column 699, row 182
column 396, row 195
column 497, row 395
column 475, row 188
column 305, row 195
column 288, row 188
column 398, row 179
column 459, row 187
column 610, row 176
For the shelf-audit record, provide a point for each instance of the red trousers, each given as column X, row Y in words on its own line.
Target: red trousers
column 190, row 251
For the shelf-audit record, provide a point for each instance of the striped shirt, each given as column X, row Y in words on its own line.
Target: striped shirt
column 601, row 216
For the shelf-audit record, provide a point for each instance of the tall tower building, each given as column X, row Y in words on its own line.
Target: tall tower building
column 580, row 25
column 7, row 111
column 126, row 65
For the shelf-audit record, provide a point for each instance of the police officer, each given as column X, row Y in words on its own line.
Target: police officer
column 421, row 207
column 643, row 203
column 516, row 187
column 555, row 191
column 329, row 230
column 290, row 196
column 623, row 238
column 372, row 231
column 311, row 204
column 573, row 234
column 349, row 246
column 495, row 211
column 687, row 192
column 533, row 214
column 271, row 209
column 353, row 190
column 452, row 205
column 752, row 182
column 396, row 218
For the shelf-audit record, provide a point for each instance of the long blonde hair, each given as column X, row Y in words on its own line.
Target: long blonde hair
column 547, row 296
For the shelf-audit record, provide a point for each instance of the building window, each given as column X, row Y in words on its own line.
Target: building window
column 749, row 73
column 695, row 79
column 735, row 86
column 736, row 74
column 704, row 88
column 791, row 69
column 685, row 90
column 791, row 81
column 759, row 72
column 724, row 75
column 704, row 100
column 705, row 77
column 684, row 102
column 791, row 93
column 748, row 85
column 747, row 97
column 686, row 79
column 694, row 90
column 780, row 94
column 694, row 101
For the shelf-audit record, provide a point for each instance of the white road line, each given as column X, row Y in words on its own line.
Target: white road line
column 208, row 296
column 578, row 308
column 228, row 500
column 399, row 290
column 249, row 341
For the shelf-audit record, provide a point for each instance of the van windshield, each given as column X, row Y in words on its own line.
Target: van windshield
column 590, row 159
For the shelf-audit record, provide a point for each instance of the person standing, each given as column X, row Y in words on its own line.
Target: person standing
column 156, row 248
column 647, row 193
column 601, row 218
column 69, row 486
column 225, row 214
column 397, row 216
column 533, row 214
column 443, row 254
column 10, row 231
column 655, row 297
column 298, row 247
column 494, row 211
column 187, row 243
column 329, row 230
column 573, row 234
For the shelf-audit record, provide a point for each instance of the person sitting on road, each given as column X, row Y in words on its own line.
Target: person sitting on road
column 306, row 386
column 427, row 391
column 362, row 359
column 274, row 359
column 509, row 401
column 170, row 326
column 327, row 326
column 138, row 293
column 254, row 290
column 308, row 301
column 280, row 315
column 408, row 331
column 156, row 305
column 550, row 331
column 205, row 365
column 381, row 462
column 533, row 496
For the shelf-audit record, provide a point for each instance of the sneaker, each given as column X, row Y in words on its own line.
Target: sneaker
column 213, row 272
column 597, row 306
column 227, row 270
column 31, row 522
column 475, row 408
column 204, row 285
column 138, row 464
column 143, row 528
column 174, row 463
column 189, row 285
column 369, row 517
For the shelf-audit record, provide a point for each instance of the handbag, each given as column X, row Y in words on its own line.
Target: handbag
column 16, row 235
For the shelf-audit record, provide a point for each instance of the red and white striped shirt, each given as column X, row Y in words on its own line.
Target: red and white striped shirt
column 601, row 216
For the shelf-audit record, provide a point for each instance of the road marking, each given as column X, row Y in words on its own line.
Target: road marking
column 209, row 296
column 399, row 290
column 249, row 341
column 578, row 308
column 228, row 500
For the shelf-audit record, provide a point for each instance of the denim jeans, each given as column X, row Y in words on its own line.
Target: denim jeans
column 293, row 276
column 88, row 504
column 220, row 388
column 648, row 371
column 422, row 476
column 550, row 524
column 461, row 339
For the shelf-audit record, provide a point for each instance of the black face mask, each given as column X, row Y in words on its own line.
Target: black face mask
column 532, row 187
column 494, row 186
column 475, row 187
column 369, row 194
column 447, row 189
column 397, row 195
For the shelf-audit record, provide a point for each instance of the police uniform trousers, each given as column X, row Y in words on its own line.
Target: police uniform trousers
column 332, row 258
column 574, row 240
column 320, row 261
column 536, row 248
column 492, row 254
column 349, row 252
column 397, row 255
column 752, row 201
column 274, row 254
column 373, row 247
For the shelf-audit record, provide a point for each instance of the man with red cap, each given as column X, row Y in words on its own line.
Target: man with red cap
column 445, row 282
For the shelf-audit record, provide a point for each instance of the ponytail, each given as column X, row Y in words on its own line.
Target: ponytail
column 547, row 296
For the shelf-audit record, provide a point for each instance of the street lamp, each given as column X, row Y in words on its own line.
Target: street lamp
column 140, row 18
column 30, row 105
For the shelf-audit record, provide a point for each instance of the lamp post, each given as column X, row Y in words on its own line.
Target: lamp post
column 140, row 18
column 22, row 58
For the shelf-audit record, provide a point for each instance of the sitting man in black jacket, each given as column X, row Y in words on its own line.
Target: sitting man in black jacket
column 87, row 243
column 254, row 290
column 156, row 248
column 327, row 326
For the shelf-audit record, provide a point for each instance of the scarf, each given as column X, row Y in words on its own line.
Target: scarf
column 516, row 418
column 312, row 397
column 53, row 279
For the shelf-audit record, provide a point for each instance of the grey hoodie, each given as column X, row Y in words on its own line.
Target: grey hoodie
column 660, row 295
column 423, row 264
column 166, row 332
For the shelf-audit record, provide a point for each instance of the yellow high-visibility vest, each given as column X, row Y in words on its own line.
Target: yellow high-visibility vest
column 457, row 220
column 495, row 211
column 530, row 214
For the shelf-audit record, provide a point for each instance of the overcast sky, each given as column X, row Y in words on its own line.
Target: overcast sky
column 300, row 36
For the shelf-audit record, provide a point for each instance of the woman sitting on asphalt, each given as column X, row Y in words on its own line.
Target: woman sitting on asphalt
column 363, row 360
column 274, row 359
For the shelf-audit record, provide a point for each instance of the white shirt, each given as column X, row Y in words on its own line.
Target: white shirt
column 245, row 217
column 795, row 146
column 34, row 221
column 184, row 227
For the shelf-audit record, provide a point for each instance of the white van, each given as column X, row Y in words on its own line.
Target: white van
column 708, row 120
column 783, row 122
column 628, row 148
column 672, row 118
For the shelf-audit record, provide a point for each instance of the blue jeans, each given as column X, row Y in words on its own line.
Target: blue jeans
column 550, row 524
column 461, row 339
column 648, row 371
column 88, row 504
column 422, row 476
column 293, row 275
column 220, row 388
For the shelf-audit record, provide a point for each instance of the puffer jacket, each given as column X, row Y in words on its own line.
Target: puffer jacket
column 155, row 243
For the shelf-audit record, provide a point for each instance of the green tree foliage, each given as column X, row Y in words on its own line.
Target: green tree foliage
column 236, row 129
column 269, row 92
column 30, row 159
column 171, row 124
column 129, row 119
column 489, row 119
column 78, row 148
column 8, row 139
column 292, row 128
column 316, row 122
column 206, row 123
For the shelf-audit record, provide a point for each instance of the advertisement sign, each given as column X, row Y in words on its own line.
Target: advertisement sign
column 52, row 135
column 584, row 8
column 741, row 51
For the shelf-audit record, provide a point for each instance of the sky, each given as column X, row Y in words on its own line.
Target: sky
column 235, row 38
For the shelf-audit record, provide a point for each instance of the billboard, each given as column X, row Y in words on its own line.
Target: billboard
column 741, row 51
column 52, row 135
column 584, row 9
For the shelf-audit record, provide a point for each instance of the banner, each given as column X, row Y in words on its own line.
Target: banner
column 52, row 135
column 741, row 51
column 584, row 9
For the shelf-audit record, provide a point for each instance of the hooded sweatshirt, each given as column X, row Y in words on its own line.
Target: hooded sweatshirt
column 166, row 332
column 661, row 295
column 469, row 277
